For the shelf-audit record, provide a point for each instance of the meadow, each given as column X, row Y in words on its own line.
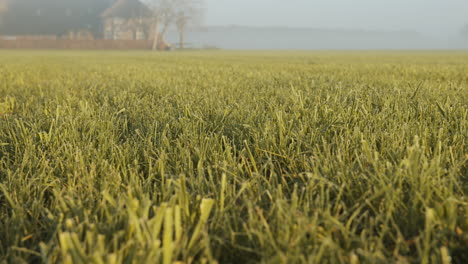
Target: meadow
column 233, row 157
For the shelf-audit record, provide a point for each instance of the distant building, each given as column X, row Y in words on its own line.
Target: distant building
column 74, row 19
column 126, row 19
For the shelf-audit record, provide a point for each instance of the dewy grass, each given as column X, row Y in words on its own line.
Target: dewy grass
column 233, row 157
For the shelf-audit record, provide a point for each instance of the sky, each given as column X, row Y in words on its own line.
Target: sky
column 429, row 17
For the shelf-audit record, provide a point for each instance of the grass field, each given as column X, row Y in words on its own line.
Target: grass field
column 233, row 157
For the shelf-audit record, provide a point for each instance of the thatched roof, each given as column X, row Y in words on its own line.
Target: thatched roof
column 127, row 9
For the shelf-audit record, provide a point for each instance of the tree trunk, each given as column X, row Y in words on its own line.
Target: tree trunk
column 134, row 33
column 164, row 32
column 181, row 38
column 113, row 29
column 156, row 35
column 162, row 36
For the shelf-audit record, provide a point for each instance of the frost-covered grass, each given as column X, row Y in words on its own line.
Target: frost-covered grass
column 233, row 157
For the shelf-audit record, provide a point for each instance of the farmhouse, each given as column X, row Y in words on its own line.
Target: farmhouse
column 126, row 19
column 72, row 19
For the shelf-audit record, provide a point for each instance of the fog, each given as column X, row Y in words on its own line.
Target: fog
column 332, row 24
column 249, row 24
column 430, row 17
column 287, row 38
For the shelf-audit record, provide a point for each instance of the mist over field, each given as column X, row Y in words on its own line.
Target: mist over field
column 287, row 38
column 244, row 25
column 430, row 17
column 333, row 24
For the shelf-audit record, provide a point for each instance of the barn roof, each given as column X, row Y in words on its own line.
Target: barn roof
column 127, row 9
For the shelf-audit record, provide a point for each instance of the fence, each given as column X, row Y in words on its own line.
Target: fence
column 99, row 44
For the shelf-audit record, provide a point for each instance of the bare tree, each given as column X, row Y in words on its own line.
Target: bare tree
column 167, row 12
column 186, row 12
column 163, row 16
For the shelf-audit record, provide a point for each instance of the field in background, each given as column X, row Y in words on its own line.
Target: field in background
column 235, row 157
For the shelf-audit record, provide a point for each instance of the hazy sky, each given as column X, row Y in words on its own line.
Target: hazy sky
column 432, row 17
